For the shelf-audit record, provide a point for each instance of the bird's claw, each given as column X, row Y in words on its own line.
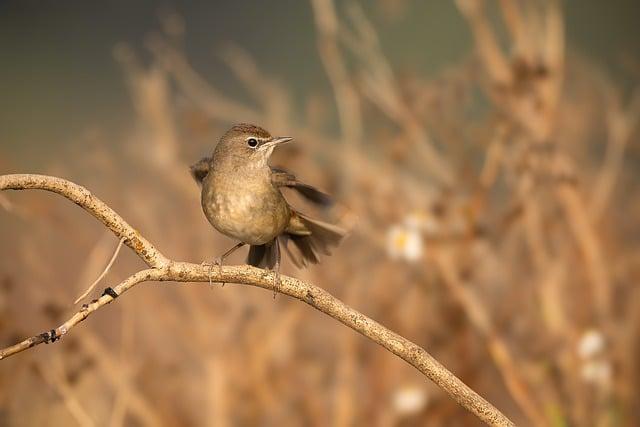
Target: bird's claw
column 276, row 283
column 217, row 262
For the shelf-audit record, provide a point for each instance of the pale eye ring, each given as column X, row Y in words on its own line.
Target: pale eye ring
column 252, row 142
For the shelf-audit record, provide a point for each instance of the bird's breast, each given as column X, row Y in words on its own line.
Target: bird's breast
column 245, row 208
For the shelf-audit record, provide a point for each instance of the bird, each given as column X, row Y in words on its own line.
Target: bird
column 241, row 198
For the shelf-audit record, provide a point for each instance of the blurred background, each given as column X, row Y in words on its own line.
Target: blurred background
column 485, row 154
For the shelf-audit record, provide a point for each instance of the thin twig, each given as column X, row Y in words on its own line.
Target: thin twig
column 163, row 269
column 104, row 272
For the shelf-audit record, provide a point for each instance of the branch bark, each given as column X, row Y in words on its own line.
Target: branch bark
column 163, row 269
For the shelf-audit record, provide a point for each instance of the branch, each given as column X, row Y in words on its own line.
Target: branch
column 90, row 203
column 164, row 269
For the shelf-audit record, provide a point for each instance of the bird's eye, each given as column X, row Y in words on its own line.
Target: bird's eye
column 252, row 142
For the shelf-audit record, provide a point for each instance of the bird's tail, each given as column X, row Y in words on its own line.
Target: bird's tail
column 310, row 238
column 263, row 256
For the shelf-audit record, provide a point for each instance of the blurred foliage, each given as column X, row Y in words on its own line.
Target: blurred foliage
column 495, row 210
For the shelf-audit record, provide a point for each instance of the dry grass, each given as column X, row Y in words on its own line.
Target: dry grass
column 510, row 181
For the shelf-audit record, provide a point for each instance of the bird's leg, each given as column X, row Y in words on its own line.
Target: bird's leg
column 276, row 267
column 218, row 261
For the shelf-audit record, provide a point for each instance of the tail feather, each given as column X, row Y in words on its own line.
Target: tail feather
column 318, row 237
column 263, row 256
column 305, row 250
column 256, row 255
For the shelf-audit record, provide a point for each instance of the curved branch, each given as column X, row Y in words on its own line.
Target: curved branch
column 90, row 203
column 163, row 269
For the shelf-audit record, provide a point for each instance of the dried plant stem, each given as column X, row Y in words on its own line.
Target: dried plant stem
column 54, row 375
column 495, row 344
column 163, row 269
column 587, row 240
column 345, row 94
column 104, row 272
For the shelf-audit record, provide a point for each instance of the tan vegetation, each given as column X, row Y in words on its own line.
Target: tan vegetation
column 495, row 222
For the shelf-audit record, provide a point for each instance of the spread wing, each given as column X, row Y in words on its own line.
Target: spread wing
column 200, row 169
column 282, row 178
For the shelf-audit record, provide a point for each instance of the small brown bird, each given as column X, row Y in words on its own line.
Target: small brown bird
column 241, row 198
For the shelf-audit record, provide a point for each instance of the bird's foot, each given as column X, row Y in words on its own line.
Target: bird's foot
column 210, row 265
column 276, row 282
column 217, row 262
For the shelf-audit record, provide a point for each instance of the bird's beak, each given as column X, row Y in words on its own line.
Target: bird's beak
column 278, row 140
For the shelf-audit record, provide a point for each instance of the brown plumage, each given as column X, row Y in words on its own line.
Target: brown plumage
column 241, row 198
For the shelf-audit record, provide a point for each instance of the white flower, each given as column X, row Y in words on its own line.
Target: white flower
column 410, row 400
column 591, row 344
column 596, row 372
column 404, row 242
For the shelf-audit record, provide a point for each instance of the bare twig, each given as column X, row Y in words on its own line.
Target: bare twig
column 163, row 269
column 104, row 272
column 96, row 207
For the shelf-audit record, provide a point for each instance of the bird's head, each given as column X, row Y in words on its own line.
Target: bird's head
column 248, row 143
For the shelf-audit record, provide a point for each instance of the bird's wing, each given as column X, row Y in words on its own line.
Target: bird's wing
column 282, row 178
column 200, row 169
